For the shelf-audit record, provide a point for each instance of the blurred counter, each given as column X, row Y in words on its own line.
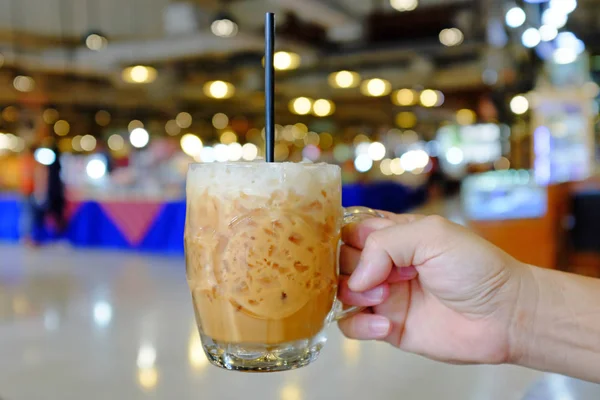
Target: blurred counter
column 156, row 225
column 554, row 226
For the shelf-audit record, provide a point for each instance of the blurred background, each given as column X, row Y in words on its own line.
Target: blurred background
column 483, row 111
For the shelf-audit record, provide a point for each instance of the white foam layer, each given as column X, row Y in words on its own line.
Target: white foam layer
column 261, row 178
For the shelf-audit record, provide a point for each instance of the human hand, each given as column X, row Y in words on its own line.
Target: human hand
column 433, row 287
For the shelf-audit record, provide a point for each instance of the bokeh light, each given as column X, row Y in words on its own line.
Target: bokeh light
column 24, row 83
column 224, row 28
column 325, row 140
column 50, row 115
column 466, row 116
column 184, row 120
column 301, row 105
column 531, row 38
column 88, row 143
column 172, row 128
column 519, row 105
column 548, row 33
column 404, row 5
column 44, row 156
column 405, row 97
column 385, row 167
column 455, row 156
column 191, row 145
column 284, row 60
column 96, row 42
column 235, row 151
column 376, row 151
column 323, row 107
column 134, row 124
column 363, row 163
column 451, row 37
column 102, row 117
column 139, row 138
column 62, row 127
column 228, row 137
column 406, row 119
column 515, row 17
column 76, row 143
column 396, row 166
column 139, row 74
column 375, row 87
column 249, row 152
column 116, row 142
column 96, row 168
column 220, row 121
column 219, row 89
column 344, row 79
column 431, row 98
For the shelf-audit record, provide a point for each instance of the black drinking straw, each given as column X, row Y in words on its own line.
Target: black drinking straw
column 269, row 87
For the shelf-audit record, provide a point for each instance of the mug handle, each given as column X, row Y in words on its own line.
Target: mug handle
column 352, row 215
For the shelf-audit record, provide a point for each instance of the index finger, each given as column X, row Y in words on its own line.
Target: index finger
column 356, row 234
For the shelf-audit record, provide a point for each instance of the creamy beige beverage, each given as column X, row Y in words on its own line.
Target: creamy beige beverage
column 261, row 247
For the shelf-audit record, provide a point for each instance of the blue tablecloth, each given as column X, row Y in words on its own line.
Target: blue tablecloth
column 90, row 226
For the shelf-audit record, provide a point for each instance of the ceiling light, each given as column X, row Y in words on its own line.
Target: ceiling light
column 96, row 42
column 375, row 87
column 404, row 5
column 451, row 37
column 219, row 89
column 284, row 60
column 344, row 79
column 139, row 74
column 431, row 98
column 323, row 107
column 301, row 105
column 24, row 83
column 224, row 26
column 405, row 97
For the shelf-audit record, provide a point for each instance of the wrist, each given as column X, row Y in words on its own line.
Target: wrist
column 522, row 326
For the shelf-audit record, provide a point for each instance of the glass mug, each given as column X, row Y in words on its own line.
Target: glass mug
column 261, row 243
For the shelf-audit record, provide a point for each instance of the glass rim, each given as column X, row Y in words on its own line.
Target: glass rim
column 254, row 164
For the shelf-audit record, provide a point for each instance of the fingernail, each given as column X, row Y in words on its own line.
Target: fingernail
column 379, row 326
column 374, row 294
column 358, row 276
column 407, row 272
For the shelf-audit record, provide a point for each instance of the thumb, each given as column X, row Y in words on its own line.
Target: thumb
column 401, row 245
